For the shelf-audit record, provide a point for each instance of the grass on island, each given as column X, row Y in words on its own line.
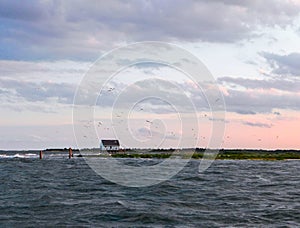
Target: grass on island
column 222, row 155
column 198, row 153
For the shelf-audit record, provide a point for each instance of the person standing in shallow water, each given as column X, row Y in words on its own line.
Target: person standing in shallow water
column 70, row 153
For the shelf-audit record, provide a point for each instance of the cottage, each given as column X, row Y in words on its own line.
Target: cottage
column 110, row 145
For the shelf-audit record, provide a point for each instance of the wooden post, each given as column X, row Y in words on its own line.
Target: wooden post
column 41, row 154
column 70, row 153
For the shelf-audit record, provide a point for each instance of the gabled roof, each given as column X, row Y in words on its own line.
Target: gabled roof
column 110, row 142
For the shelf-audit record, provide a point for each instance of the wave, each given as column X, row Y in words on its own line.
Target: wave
column 29, row 155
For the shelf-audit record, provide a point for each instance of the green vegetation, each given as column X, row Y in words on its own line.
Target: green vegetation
column 260, row 155
column 222, row 154
column 164, row 155
column 59, row 150
column 195, row 153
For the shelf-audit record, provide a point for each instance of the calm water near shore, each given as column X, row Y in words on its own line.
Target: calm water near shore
column 58, row 191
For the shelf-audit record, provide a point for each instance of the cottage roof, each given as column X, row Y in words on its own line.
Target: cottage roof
column 110, row 142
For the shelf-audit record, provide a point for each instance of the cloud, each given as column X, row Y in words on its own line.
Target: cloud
column 43, row 71
column 23, row 11
column 277, row 83
column 257, row 124
column 20, row 92
column 37, row 86
column 285, row 65
column 80, row 30
column 218, row 119
column 154, row 96
column 251, row 96
column 245, row 112
column 146, row 133
column 36, row 137
column 260, row 101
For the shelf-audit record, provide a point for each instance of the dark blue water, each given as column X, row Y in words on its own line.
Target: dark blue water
column 57, row 191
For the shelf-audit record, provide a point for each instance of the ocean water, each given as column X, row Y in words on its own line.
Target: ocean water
column 58, row 191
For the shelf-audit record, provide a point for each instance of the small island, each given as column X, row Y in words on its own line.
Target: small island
column 198, row 153
column 187, row 153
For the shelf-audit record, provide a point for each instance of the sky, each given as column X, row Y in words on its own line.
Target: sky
column 251, row 47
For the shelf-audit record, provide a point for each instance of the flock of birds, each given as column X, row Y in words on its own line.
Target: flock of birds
column 172, row 133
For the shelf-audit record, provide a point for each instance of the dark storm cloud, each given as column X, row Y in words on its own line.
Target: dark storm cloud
column 284, row 65
column 81, row 29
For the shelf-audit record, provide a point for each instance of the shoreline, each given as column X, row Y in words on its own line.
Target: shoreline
column 220, row 156
column 190, row 153
column 199, row 153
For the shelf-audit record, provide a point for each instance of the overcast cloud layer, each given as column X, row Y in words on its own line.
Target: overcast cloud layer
column 47, row 46
column 58, row 30
column 81, row 29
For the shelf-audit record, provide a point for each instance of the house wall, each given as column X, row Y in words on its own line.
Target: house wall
column 102, row 147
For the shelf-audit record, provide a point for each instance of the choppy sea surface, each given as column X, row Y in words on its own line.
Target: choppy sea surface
column 58, row 191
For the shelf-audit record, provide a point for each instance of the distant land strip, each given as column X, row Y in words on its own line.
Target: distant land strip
column 194, row 153
column 236, row 154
